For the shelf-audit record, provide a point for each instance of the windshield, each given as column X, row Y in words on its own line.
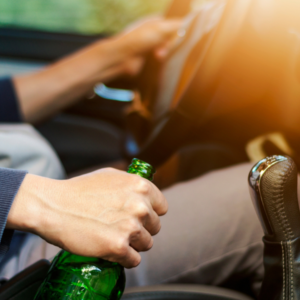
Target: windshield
column 76, row 16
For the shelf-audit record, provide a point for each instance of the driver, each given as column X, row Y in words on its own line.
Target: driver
column 211, row 234
column 108, row 213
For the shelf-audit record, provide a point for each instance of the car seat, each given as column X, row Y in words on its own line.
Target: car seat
column 25, row 284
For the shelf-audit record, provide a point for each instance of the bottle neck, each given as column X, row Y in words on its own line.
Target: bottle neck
column 141, row 168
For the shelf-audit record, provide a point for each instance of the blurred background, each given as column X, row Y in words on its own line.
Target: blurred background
column 77, row 16
column 235, row 75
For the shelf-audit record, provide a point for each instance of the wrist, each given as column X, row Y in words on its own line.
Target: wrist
column 29, row 208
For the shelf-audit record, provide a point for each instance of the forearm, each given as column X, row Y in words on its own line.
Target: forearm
column 28, row 211
column 59, row 85
column 45, row 92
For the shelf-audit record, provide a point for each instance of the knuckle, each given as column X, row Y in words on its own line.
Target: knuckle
column 142, row 210
column 121, row 247
column 133, row 226
column 163, row 207
column 143, row 186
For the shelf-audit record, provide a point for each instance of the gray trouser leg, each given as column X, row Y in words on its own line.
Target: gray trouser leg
column 210, row 235
column 22, row 147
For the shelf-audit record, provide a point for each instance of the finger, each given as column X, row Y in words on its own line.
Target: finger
column 158, row 201
column 152, row 223
column 170, row 27
column 140, row 22
column 150, row 194
column 130, row 260
column 148, row 217
column 133, row 66
column 164, row 50
column 141, row 241
column 142, row 210
column 118, row 248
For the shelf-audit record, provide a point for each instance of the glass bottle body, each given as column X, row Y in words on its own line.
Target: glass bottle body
column 82, row 278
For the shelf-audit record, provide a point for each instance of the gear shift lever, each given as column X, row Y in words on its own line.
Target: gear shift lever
column 273, row 189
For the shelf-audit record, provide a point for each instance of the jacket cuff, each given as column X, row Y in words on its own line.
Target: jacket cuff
column 10, row 182
column 9, row 104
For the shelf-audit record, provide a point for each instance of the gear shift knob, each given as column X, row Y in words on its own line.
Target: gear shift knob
column 273, row 189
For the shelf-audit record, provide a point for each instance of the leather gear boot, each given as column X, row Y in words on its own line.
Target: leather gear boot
column 273, row 189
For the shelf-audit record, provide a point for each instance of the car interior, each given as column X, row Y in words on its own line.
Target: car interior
column 214, row 102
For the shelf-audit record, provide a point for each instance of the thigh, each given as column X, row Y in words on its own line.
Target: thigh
column 25, row 250
column 23, row 148
column 210, row 234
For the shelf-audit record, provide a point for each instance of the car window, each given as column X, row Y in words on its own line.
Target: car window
column 76, row 16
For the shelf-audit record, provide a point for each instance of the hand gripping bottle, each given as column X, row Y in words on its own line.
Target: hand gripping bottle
column 86, row 278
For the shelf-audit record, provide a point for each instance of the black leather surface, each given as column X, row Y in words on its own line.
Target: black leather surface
column 278, row 188
column 160, row 295
column 181, row 292
column 279, row 195
column 282, row 271
column 24, row 285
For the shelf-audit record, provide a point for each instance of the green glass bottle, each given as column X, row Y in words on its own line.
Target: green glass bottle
column 83, row 278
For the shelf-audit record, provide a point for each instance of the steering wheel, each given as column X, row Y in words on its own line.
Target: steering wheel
column 234, row 59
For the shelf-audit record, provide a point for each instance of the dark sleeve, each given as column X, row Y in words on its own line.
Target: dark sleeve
column 9, row 105
column 10, row 182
